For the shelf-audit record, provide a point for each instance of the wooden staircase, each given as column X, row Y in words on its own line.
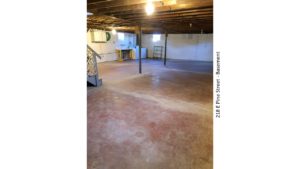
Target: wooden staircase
column 92, row 68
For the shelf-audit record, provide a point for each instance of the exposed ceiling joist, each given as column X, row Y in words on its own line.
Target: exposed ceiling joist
column 125, row 15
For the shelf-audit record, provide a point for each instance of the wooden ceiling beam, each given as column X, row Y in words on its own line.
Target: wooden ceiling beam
column 127, row 14
column 158, row 7
column 166, row 15
column 121, row 3
column 98, row 1
column 176, row 21
column 164, row 26
column 173, row 25
column 142, row 15
column 156, row 22
column 133, row 10
column 151, row 30
column 210, row 17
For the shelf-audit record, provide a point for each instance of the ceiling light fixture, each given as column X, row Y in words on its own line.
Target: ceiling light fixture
column 149, row 7
column 114, row 32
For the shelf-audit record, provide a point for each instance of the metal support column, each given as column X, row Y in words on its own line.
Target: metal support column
column 166, row 40
column 140, row 49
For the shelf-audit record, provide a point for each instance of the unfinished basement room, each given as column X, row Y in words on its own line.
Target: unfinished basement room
column 149, row 84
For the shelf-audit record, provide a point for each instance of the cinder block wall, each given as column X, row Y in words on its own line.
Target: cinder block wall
column 183, row 46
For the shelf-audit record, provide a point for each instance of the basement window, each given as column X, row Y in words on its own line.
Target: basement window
column 120, row 36
column 156, row 38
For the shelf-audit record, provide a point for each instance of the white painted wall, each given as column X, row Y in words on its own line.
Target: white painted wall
column 108, row 50
column 180, row 46
column 183, row 46
column 128, row 42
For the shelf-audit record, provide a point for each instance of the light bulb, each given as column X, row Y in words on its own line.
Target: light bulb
column 114, row 31
column 149, row 8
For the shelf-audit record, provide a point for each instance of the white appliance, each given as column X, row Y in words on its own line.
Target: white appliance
column 136, row 52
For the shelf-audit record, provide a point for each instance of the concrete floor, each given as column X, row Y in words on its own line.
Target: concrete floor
column 161, row 119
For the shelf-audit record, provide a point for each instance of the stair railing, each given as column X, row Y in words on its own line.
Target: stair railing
column 92, row 68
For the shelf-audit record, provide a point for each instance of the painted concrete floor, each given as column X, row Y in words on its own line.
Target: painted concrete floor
column 161, row 119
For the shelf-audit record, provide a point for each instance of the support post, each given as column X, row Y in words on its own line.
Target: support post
column 140, row 49
column 165, row 57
